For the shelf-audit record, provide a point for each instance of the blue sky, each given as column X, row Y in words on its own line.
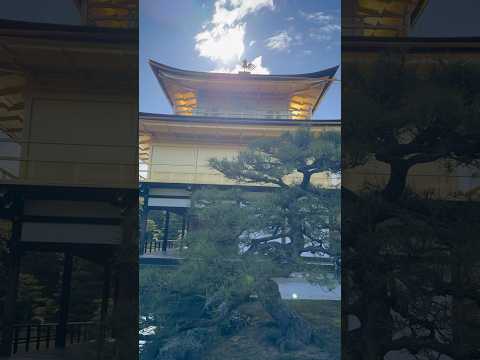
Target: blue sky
column 278, row 36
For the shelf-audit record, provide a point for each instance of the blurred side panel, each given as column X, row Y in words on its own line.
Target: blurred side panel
column 68, row 180
column 410, row 185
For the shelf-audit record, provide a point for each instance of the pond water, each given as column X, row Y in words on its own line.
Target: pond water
column 301, row 289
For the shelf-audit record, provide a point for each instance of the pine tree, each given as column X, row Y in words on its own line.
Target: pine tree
column 405, row 256
column 243, row 239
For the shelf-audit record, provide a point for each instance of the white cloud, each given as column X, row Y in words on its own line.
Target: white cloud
column 221, row 43
column 319, row 17
column 290, row 18
column 229, row 12
column 325, row 32
column 328, row 25
column 330, row 28
column 320, row 36
column 279, row 42
column 259, row 68
column 251, row 43
column 223, row 37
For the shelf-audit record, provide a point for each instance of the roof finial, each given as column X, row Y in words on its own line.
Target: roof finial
column 246, row 66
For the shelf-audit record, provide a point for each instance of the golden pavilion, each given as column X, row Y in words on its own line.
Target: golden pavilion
column 216, row 115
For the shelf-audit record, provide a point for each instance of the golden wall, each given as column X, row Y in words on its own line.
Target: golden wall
column 175, row 157
column 68, row 116
column 436, row 180
column 73, row 136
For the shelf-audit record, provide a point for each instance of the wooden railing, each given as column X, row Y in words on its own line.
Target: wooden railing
column 153, row 246
column 37, row 337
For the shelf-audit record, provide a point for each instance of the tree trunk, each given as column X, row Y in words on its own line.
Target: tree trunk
column 397, row 181
column 296, row 332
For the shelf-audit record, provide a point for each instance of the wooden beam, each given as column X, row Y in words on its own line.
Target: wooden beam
column 387, row 13
column 111, row 5
column 18, row 90
column 14, row 107
column 375, row 27
column 13, row 119
column 13, row 130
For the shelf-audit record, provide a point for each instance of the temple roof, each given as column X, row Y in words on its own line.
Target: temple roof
column 266, row 96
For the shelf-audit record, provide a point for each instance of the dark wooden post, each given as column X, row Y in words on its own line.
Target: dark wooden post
column 115, row 299
column 104, row 310
column 13, row 271
column 10, row 302
column 184, row 224
column 125, row 317
column 165, row 231
column 144, row 221
column 61, row 331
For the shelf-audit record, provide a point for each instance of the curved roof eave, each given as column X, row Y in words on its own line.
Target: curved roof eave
column 329, row 73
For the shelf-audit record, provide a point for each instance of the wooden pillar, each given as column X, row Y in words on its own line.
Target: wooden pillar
column 10, row 303
column 115, row 299
column 104, row 310
column 125, row 317
column 61, row 333
column 184, row 224
column 13, row 272
column 106, row 292
column 144, row 221
column 165, row 231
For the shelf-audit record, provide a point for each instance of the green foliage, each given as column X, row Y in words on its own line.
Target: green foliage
column 32, row 304
column 39, row 284
column 270, row 160
column 154, row 230
column 406, row 256
column 243, row 238
column 411, row 114
column 86, row 290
